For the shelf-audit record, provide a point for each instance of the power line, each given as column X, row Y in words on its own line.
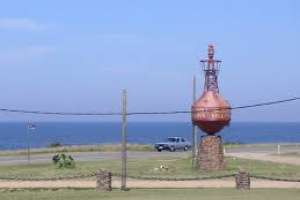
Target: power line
column 267, row 103
column 57, row 113
column 37, row 112
column 216, row 108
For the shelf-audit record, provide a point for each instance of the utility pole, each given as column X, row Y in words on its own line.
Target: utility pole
column 194, row 130
column 124, row 140
column 29, row 127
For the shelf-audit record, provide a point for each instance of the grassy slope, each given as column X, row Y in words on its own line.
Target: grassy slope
column 170, row 194
column 146, row 167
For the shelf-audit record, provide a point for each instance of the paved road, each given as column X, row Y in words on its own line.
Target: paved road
column 264, row 148
column 267, row 157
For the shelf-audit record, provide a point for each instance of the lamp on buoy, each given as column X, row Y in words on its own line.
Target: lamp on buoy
column 211, row 113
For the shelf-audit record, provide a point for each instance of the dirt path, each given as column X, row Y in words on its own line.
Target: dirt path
column 216, row 183
column 267, row 157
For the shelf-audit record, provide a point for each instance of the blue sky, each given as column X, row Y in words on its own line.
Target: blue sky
column 79, row 55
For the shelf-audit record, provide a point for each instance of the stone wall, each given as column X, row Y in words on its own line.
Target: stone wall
column 211, row 155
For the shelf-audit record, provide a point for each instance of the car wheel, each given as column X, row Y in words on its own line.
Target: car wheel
column 172, row 149
column 186, row 148
column 159, row 150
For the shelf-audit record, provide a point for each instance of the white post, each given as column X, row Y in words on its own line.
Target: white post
column 278, row 149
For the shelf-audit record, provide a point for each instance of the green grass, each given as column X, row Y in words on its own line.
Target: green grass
column 179, row 168
column 153, row 194
column 80, row 148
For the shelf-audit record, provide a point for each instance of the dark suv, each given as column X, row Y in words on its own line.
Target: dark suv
column 173, row 144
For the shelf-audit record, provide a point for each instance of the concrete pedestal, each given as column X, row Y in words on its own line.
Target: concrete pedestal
column 211, row 156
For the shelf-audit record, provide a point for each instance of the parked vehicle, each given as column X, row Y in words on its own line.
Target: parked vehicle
column 173, row 144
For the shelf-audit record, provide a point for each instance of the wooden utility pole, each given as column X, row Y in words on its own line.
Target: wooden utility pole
column 124, row 140
column 194, row 130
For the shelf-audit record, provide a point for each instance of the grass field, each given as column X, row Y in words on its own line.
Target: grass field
column 179, row 168
column 153, row 194
column 80, row 148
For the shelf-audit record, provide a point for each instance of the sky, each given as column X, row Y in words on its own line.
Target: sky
column 77, row 56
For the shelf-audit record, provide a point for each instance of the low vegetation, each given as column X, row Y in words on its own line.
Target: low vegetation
column 62, row 160
column 56, row 148
column 55, row 144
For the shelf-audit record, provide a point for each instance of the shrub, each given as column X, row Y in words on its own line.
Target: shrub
column 62, row 160
column 55, row 144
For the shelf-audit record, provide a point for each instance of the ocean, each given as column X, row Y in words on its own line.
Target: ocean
column 14, row 135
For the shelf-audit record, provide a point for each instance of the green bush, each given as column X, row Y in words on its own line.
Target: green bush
column 62, row 160
column 55, row 144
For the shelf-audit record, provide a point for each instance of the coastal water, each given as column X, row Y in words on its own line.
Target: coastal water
column 14, row 135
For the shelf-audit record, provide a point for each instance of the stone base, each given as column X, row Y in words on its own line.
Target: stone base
column 211, row 155
column 242, row 180
column 103, row 181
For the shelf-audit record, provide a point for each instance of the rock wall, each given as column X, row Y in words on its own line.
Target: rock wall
column 211, row 156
